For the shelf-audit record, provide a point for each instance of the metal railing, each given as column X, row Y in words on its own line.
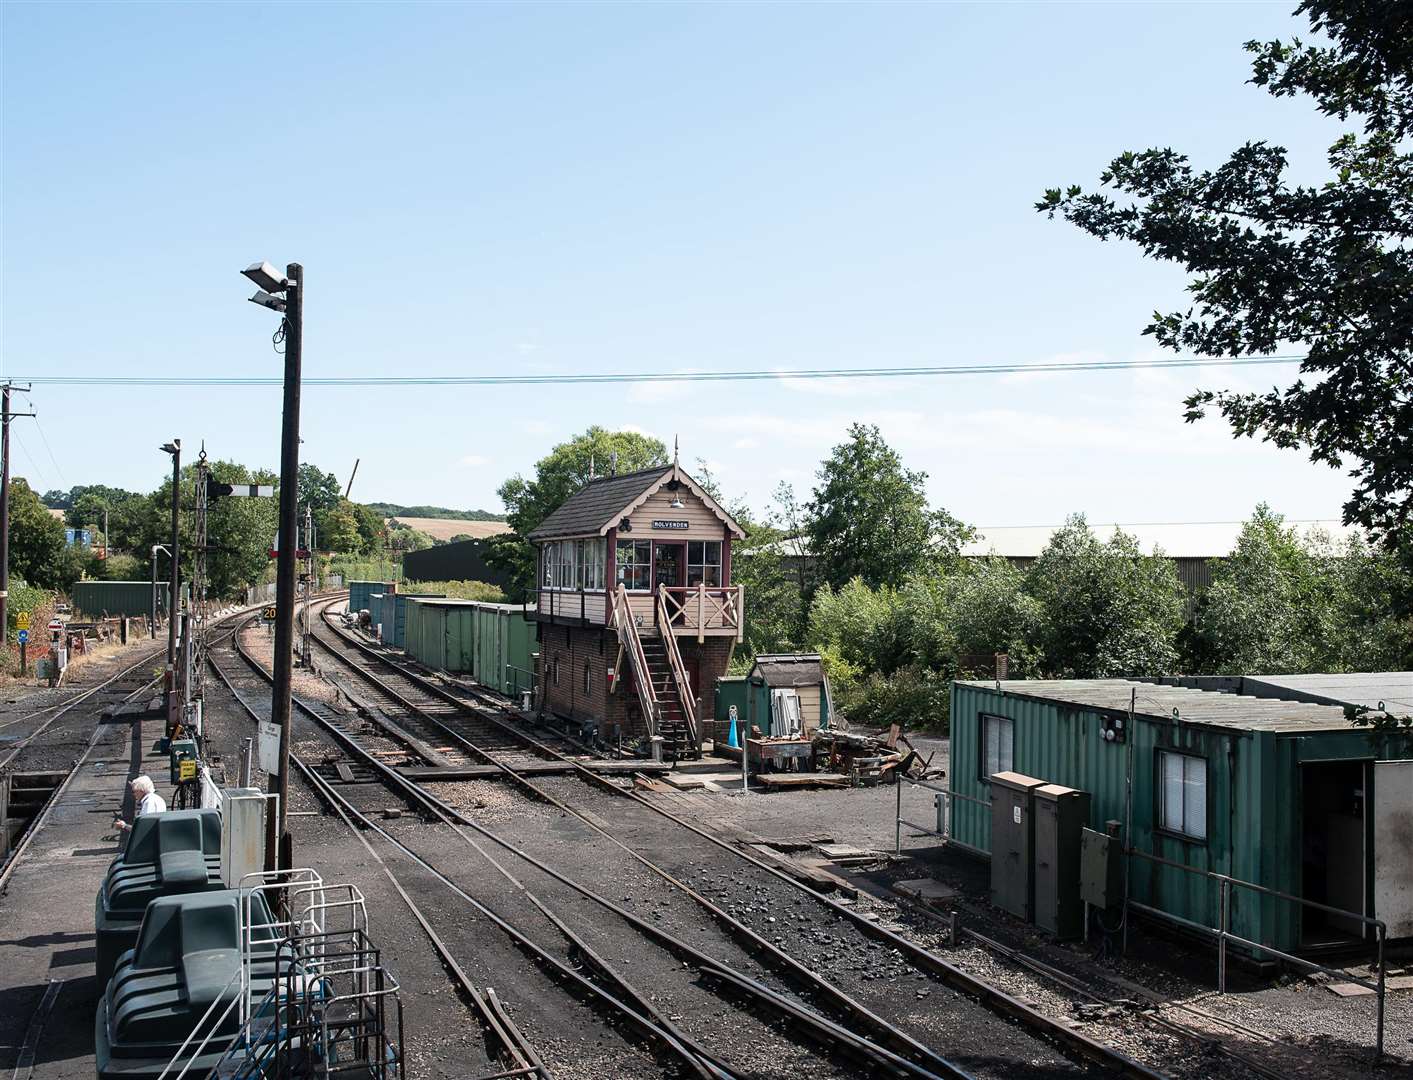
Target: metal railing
column 942, row 799
column 1222, row 932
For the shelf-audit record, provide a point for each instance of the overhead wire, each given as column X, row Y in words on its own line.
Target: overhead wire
column 64, row 480
column 921, row 371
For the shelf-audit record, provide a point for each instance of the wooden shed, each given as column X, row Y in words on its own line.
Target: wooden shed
column 786, row 691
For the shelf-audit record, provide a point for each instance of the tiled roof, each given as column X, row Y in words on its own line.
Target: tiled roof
column 591, row 507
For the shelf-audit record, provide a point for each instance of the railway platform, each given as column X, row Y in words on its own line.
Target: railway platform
column 47, row 944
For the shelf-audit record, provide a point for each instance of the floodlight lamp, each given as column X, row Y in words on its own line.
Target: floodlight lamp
column 266, row 277
column 264, row 299
column 677, row 503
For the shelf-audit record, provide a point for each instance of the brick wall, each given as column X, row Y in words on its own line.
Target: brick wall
column 567, row 650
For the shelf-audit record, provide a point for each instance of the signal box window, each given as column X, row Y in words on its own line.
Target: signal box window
column 704, row 562
column 635, row 564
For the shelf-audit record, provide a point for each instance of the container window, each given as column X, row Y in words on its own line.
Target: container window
column 704, row 562
column 634, row 564
column 1183, row 791
column 998, row 739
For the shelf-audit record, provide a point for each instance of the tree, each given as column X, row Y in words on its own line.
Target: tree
column 38, row 553
column 1105, row 609
column 338, row 529
column 869, row 516
column 988, row 612
column 1328, row 268
column 318, row 489
column 558, row 475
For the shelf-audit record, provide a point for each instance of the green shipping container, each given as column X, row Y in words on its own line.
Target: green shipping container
column 1250, row 763
column 492, row 643
column 361, row 592
column 96, row 599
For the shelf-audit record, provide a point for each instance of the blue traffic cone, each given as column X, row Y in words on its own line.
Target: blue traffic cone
column 731, row 739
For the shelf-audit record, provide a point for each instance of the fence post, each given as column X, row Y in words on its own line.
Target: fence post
column 1222, row 940
column 1379, row 1040
column 898, row 818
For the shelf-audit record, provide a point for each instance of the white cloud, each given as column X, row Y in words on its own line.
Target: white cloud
column 537, row 427
column 746, row 443
column 654, row 393
column 474, row 461
column 634, row 429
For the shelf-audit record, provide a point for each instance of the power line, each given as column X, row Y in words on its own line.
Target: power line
column 215, row 382
column 40, row 428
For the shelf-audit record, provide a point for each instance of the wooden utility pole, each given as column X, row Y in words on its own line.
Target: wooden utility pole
column 289, row 550
column 5, row 417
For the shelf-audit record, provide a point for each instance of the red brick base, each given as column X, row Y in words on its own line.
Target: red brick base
column 575, row 663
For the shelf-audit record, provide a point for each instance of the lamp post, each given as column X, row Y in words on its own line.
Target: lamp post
column 173, row 448
column 271, row 282
column 155, row 548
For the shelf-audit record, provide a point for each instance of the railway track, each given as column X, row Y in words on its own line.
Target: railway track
column 1194, row 1055
column 793, row 1040
column 864, row 988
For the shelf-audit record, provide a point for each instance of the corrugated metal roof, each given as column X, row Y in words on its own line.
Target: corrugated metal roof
column 1178, row 540
column 791, row 669
column 1156, row 701
column 585, row 512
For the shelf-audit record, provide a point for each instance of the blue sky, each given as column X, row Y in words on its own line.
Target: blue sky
column 591, row 188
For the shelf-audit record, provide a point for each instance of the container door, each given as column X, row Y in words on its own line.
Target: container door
column 1393, row 846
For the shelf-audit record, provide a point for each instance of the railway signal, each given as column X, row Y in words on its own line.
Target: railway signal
column 284, row 293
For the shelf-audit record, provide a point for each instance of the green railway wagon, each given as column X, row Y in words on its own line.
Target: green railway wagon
column 492, row 643
column 95, row 599
column 1283, row 794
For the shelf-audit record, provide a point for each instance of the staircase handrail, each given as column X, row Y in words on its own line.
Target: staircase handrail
column 628, row 635
column 679, row 670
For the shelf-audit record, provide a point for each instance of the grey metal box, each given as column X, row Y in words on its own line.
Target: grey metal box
column 1100, row 871
column 1061, row 814
column 1012, row 843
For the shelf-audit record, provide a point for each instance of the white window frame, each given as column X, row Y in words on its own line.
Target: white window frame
column 1005, row 761
column 1182, row 794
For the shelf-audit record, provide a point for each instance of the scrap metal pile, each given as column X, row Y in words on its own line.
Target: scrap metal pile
column 871, row 759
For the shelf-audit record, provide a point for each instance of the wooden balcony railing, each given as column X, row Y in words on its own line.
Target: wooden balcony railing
column 702, row 609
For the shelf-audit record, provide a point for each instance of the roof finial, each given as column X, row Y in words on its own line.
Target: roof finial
column 613, row 463
column 674, row 451
column 591, row 464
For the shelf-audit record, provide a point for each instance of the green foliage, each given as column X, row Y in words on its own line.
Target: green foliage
column 120, row 567
column 558, row 475
column 1283, row 604
column 318, row 489
column 405, row 538
column 1326, row 267
column 1105, row 608
column 387, row 510
column 38, row 553
column 869, row 517
column 463, row 590
column 862, row 626
column 355, row 568
column 38, row 602
column 339, row 529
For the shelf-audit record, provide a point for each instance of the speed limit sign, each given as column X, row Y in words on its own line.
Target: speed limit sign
column 268, row 613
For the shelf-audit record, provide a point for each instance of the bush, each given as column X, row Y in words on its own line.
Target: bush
column 462, row 590
column 123, row 568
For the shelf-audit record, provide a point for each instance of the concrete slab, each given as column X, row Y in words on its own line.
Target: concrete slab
column 1349, row 990
column 925, row 889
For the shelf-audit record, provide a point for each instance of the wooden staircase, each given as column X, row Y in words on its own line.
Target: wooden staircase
column 676, row 732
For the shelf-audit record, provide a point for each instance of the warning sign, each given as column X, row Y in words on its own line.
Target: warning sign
column 22, row 621
column 186, row 769
column 269, row 747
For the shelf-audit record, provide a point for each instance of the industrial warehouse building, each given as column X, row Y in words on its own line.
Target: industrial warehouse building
column 637, row 610
column 1279, row 790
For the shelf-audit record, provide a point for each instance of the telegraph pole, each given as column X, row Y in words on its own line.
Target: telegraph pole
column 289, row 547
column 5, row 417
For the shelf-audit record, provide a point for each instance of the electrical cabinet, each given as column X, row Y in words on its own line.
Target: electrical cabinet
column 1100, row 871
column 1061, row 814
column 1013, row 843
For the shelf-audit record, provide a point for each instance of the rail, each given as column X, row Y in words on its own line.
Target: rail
column 943, row 800
column 1223, row 933
column 700, row 608
column 632, row 644
column 679, row 671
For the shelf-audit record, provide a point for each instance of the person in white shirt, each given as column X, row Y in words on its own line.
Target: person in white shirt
column 146, row 799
